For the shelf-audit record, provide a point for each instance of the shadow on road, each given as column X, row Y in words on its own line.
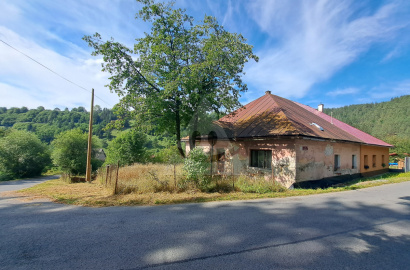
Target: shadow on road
column 348, row 230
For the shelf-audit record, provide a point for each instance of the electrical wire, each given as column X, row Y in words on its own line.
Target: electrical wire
column 49, row 69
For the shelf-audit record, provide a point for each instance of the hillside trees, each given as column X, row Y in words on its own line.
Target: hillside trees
column 46, row 124
column 385, row 120
column 177, row 72
column 22, row 154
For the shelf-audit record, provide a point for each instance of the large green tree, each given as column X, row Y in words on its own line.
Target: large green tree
column 177, row 72
column 22, row 154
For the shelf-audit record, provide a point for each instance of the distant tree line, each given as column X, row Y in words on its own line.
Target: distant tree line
column 47, row 124
column 388, row 121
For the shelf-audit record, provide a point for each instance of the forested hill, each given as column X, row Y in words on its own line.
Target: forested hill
column 383, row 120
column 46, row 124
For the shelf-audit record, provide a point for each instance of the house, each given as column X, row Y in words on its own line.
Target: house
column 292, row 143
column 100, row 154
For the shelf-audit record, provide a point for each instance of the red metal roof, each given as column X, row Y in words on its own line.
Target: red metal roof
column 271, row 115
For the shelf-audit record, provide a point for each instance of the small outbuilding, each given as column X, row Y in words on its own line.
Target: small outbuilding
column 292, row 143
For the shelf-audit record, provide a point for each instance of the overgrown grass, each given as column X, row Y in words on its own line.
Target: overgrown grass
column 143, row 178
column 146, row 192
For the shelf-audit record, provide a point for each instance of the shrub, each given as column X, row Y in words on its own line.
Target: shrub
column 22, row 154
column 70, row 151
column 196, row 167
column 127, row 148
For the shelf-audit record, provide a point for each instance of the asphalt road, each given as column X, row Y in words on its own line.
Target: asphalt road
column 363, row 229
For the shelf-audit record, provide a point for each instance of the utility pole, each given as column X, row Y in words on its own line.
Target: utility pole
column 90, row 134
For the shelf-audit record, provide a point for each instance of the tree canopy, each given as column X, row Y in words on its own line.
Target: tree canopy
column 177, row 72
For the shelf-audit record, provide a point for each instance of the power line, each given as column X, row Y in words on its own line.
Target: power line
column 49, row 69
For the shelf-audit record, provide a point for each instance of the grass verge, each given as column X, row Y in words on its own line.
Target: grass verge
column 96, row 195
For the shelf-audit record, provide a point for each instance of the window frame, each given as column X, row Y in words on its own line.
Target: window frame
column 336, row 162
column 266, row 155
column 354, row 162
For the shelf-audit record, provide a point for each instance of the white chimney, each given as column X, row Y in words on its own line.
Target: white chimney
column 320, row 107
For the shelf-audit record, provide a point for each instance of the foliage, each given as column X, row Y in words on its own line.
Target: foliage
column 70, row 151
column 196, row 166
column 169, row 155
column 127, row 148
column 401, row 145
column 46, row 124
column 22, row 154
column 177, row 72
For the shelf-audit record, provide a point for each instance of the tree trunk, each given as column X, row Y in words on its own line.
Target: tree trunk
column 178, row 130
column 194, row 133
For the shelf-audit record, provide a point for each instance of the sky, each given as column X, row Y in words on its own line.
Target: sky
column 335, row 52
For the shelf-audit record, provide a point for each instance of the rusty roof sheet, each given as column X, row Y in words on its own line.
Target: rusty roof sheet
column 271, row 115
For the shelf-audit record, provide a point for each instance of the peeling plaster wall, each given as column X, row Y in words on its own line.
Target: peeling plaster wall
column 315, row 159
column 237, row 155
column 293, row 160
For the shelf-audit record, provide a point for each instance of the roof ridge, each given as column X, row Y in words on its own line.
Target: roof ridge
column 281, row 109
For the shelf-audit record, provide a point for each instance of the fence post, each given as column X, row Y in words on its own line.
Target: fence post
column 233, row 175
column 116, row 178
column 106, row 178
column 175, row 177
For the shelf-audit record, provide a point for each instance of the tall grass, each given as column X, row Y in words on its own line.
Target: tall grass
column 143, row 178
column 151, row 178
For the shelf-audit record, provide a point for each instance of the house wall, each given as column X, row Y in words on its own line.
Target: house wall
column 299, row 160
column 316, row 159
column 382, row 157
column 237, row 156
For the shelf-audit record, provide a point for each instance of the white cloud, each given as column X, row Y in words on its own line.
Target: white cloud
column 23, row 79
column 345, row 91
column 50, row 32
column 393, row 89
column 312, row 40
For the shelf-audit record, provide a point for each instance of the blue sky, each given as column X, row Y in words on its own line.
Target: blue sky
column 336, row 52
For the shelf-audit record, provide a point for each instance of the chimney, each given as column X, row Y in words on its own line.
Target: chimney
column 267, row 92
column 320, row 107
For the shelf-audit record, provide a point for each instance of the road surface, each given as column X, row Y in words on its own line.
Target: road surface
column 363, row 229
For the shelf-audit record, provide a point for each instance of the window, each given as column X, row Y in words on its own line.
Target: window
column 383, row 163
column 354, row 162
column 374, row 161
column 261, row 159
column 366, row 162
column 337, row 162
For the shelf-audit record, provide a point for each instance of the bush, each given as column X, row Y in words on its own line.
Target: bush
column 22, row 154
column 196, row 167
column 169, row 155
column 127, row 148
column 70, row 151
